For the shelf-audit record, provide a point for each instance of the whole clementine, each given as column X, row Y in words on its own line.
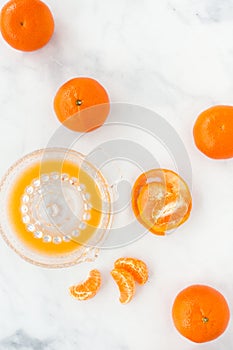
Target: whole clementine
column 200, row 313
column 26, row 25
column 82, row 104
column 213, row 132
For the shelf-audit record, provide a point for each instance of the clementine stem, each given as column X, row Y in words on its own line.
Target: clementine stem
column 79, row 102
column 205, row 320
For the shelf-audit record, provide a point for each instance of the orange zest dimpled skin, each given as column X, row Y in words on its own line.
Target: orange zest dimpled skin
column 200, row 313
column 213, row 132
column 126, row 284
column 137, row 268
column 26, row 25
column 89, row 288
column 82, row 104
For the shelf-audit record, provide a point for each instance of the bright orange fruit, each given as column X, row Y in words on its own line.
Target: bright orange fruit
column 87, row 289
column 200, row 313
column 161, row 200
column 82, row 104
column 213, row 132
column 137, row 268
column 26, row 25
column 126, row 284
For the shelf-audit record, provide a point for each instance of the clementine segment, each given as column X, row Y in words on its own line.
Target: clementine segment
column 137, row 268
column 200, row 313
column 213, row 132
column 87, row 289
column 82, row 104
column 26, row 25
column 126, row 284
column 161, row 200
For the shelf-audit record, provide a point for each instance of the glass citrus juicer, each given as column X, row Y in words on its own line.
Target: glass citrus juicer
column 56, row 208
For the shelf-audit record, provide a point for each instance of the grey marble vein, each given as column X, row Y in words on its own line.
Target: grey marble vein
column 22, row 341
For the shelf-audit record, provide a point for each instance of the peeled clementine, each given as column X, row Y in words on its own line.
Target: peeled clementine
column 126, row 284
column 161, row 200
column 137, row 268
column 200, row 313
column 87, row 289
column 26, row 25
column 82, row 104
column 213, row 132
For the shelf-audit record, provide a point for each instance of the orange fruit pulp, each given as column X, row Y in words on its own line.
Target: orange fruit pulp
column 161, row 200
column 15, row 203
column 26, row 25
column 126, row 284
column 213, row 132
column 200, row 313
column 87, row 289
column 82, row 104
column 137, row 268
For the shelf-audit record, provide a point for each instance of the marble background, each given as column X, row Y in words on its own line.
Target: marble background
column 174, row 57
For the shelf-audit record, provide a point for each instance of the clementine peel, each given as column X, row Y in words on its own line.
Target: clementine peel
column 26, row 25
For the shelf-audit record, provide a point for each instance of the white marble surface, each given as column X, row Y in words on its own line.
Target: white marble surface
column 176, row 58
